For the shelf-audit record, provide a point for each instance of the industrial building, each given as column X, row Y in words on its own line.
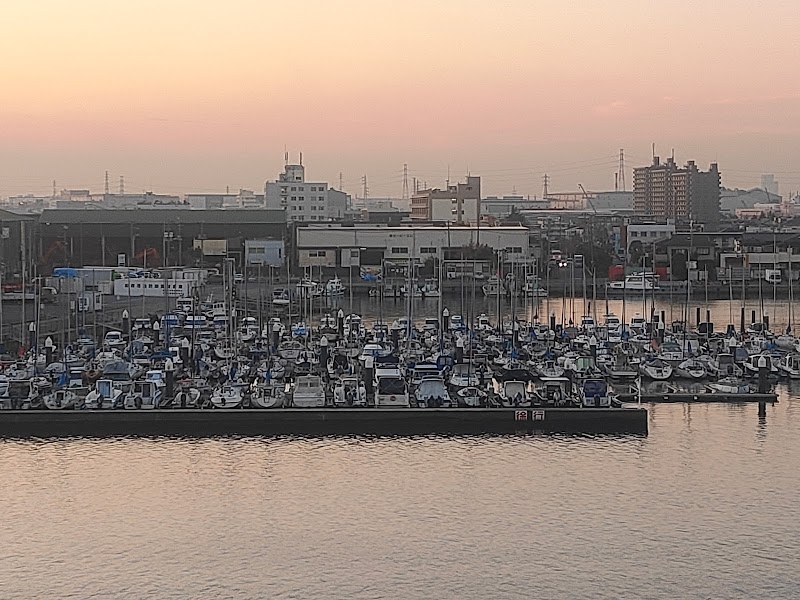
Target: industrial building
column 170, row 237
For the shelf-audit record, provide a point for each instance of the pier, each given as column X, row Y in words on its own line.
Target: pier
column 322, row 421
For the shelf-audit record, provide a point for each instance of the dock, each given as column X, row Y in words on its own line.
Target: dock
column 321, row 421
column 703, row 397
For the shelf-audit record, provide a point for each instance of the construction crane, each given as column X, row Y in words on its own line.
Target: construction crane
column 588, row 199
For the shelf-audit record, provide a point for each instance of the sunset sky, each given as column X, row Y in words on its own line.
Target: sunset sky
column 191, row 96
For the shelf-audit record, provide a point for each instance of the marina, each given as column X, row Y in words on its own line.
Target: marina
column 288, row 359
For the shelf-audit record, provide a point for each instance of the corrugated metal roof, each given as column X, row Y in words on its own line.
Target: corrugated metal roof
column 162, row 215
column 6, row 215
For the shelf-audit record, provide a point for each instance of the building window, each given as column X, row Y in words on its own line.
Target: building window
column 704, row 251
column 300, row 208
column 317, row 253
column 400, row 250
column 294, row 189
column 427, row 250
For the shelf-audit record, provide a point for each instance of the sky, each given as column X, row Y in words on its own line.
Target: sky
column 189, row 96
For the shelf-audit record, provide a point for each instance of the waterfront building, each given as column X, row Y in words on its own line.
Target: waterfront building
column 334, row 245
column 459, row 203
column 305, row 200
column 679, row 193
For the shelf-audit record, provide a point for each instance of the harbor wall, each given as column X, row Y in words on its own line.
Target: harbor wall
column 404, row 421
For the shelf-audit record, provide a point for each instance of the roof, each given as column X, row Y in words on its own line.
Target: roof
column 6, row 215
column 163, row 215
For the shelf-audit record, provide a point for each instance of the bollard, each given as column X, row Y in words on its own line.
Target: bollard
column 553, row 322
column 593, row 347
column 445, row 320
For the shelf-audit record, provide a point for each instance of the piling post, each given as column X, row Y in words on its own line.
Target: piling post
column 763, row 385
column 126, row 324
column 459, row 349
column 766, row 321
column 742, row 321
column 593, row 347
column 369, row 374
column 185, row 348
column 276, row 336
column 340, row 323
column 48, row 351
column 445, row 320
column 323, row 356
column 169, row 390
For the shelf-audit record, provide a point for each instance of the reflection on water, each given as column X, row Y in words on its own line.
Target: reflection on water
column 701, row 508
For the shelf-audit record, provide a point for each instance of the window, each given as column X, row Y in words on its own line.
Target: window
column 321, row 198
column 294, row 198
column 634, row 234
column 302, row 188
column 427, row 250
column 704, row 251
column 294, row 189
column 317, row 253
column 313, row 217
column 400, row 250
column 313, row 208
column 300, row 208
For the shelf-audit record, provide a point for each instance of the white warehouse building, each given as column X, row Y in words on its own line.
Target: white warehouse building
column 304, row 200
column 333, row 245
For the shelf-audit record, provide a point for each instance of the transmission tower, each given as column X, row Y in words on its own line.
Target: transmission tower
column 621, row 171
column 365, row 188
column 106, row 185
column 546, row 180
column 405, row 181
column 341, row 188
column 121, row 184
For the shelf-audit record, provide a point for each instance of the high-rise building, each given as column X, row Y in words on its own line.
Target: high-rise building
column 460, row 203
column 679, row 193
column 304, row 200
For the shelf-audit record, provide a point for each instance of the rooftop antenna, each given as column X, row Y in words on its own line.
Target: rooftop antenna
column 106, row 189
column 405, row 181
column 448, row 176
column 285, row 156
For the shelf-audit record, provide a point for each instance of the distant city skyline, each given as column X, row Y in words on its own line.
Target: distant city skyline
column 184, row 97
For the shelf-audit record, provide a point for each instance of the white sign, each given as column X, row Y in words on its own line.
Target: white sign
column 121, row 260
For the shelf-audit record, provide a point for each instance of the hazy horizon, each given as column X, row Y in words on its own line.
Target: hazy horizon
column 189, row 97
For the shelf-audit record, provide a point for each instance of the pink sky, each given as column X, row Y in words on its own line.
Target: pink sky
column 184, row 96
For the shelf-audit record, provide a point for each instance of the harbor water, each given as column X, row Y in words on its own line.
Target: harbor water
column 703, row 507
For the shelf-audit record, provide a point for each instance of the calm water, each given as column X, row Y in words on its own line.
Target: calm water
column 704, row 507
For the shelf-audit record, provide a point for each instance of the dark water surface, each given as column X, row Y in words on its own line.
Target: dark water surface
column 706, row 506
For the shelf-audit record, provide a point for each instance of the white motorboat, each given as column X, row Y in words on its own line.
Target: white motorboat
column 281, row 297
column 789, row 365
column 594, row 393
column 391, row 389
column 464, row 375
column 751, row 365
column 349, row 391
column 62, row 399
column 730, row 385
column 145, row 394
column 106, row 394
column 308, row 392
column 334, row 287
column 432, row 393
column 514, row 393
column 639, row 282
column 472, row 397
column 493, row 287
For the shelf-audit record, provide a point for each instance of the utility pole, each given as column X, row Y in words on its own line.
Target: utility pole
column 405, row 181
